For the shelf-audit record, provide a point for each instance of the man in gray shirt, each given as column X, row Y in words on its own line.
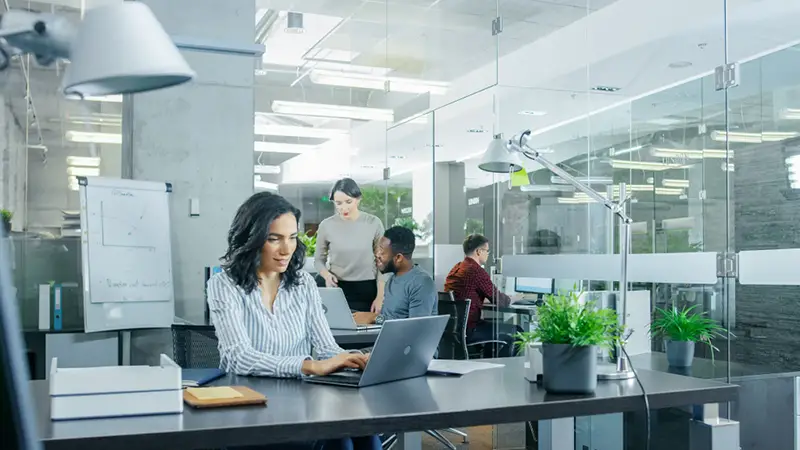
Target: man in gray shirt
column 409, row 291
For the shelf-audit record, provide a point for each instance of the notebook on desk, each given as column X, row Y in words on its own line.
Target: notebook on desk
column 200, row 377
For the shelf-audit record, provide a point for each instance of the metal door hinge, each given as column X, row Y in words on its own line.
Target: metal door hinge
column 726, row 76
column 727, row 265
column 386, row 173
column 497, row 26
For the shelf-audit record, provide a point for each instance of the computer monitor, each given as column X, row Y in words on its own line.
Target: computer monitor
column 542, row 286
column 16, row 404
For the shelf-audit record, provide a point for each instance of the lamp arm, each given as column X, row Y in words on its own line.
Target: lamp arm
column 534, row 155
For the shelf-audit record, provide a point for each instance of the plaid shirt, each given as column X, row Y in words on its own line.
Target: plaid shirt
column 468, row 280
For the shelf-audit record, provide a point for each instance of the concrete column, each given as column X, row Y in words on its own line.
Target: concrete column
column 198, row 136
column 451, row 203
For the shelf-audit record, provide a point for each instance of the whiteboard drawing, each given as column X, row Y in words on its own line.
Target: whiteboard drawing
column 126, row 258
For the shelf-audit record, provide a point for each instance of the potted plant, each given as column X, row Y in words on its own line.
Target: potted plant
column 7, row 216
column 680, row 329
column 570, row 334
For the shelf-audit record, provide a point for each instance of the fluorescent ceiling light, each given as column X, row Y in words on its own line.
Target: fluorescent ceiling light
column 83, row 171
column 793, row 166
column 584, row 180
column 267, row 170
column 729, row 167
column 83, row 161
column 690, row 154
column 790, row 114
column 668, row 191
column 675, row 183
column 644, row 165
column 546, row 188
column 379, row 83
column 105, row 98
column 338, row 111
column 93, row 137
column 614, row 152
column 265, row 185
column 529, row 112
column 299, row 131
column 752, row 138
column 277, row 147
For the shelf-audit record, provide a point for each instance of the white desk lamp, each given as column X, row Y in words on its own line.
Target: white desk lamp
column 116, row 49
column 501, row 157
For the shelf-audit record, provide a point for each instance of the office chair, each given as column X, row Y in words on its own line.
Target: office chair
column 454, row 343
column 195, row 346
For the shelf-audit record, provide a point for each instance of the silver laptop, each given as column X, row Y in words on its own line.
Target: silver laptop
column 337, row 311
column 404, row 349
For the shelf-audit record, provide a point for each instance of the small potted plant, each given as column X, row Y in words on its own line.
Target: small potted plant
column 680, row 329
column 7, row 216
column 570, row 334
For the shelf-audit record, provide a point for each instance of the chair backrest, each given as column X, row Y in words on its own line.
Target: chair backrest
column 195, row 346
column 453, row 344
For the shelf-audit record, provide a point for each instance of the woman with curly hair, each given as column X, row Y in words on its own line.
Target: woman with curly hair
column 267, row 312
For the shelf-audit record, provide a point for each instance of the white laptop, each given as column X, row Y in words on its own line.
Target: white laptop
column 337, row 311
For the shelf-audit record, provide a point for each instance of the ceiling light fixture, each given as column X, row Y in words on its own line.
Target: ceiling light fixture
column 614, row 152
column 83, row 161
column 267, row 170
column 680, row 64
column 690, row 154
column 532, row 113
column 675, row 183
column 585, row 180
column 546, row 188
column 102, row 98
column 264, row 185
column 299, row 131
column 278, row 147
column 601, row 88
column 752, row 138
column 338, row 111
column 644, row 165
column 378, row 83
column 790, row 114
column 93, row 137
column 793, row 167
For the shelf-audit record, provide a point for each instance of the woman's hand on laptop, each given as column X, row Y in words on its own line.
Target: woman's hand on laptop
column 364, row 318
column 338, row 362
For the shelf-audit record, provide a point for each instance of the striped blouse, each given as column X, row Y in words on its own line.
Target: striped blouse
column 256, row 341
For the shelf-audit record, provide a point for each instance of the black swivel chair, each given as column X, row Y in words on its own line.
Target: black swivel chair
column 454, row 343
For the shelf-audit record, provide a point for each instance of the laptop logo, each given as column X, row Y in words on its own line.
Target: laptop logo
column 324, row 309
column 407, row 350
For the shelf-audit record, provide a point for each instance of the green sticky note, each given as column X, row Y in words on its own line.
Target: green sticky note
column 520, row 178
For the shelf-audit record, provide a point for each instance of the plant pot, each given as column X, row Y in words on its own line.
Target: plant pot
column 7, row 226
column 680, row 353
column 569, row 370
column 533, row 354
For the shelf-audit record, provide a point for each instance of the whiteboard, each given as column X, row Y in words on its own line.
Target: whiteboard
column 126, row 254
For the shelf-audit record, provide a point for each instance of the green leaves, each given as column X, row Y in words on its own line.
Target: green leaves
column 310, row 242
column 6, row 215
column 562, row 319
column 686, row 325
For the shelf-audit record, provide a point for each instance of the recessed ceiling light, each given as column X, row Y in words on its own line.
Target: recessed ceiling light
column 601, row 88
column 532, row 113
column 476, row 130
column 397, row 157
column 294, row 22
column 680, row 64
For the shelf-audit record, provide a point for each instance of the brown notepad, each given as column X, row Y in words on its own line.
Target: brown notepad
column 218, row 397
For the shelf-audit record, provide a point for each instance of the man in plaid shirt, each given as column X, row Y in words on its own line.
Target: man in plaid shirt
column 468, row 280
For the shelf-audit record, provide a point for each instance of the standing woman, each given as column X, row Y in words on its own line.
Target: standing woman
column 268, row 313
column 346, row 244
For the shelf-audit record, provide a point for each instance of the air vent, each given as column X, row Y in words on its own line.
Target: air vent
column 605, row 88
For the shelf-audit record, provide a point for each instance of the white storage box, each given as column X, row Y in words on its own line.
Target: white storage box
column 115, row 391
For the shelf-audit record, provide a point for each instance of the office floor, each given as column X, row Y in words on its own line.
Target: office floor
column 510, row 437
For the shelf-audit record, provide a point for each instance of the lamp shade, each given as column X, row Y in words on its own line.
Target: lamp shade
column 498, row 159
column 122, row 49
